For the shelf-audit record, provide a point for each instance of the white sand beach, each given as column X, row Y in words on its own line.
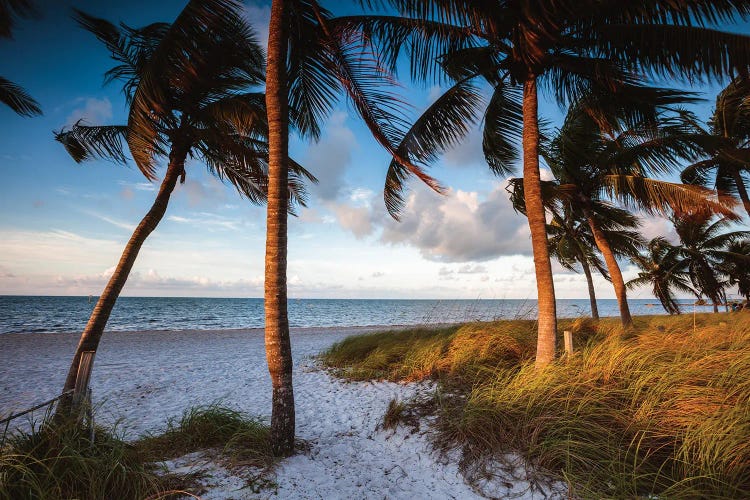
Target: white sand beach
column 143, row 378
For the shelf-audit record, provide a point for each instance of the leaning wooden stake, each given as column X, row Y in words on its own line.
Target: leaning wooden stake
column 568, row 341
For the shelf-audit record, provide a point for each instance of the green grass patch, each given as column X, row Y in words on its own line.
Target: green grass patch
column 57, row 460
column 662, row 409
column 60, row 461
column 242, row 439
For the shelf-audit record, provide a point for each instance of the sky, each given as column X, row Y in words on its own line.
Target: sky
column 63, row 225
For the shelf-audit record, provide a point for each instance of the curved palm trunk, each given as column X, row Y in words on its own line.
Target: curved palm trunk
column 742, row 191
column 278, row 345
column 592, row 292
column 546, row 339
column 92, row 334
column 614, row 270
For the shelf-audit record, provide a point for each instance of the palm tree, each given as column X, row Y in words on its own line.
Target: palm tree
column 566, row 47
column 660, row 267
column 572, row 242
column 730, row 160
column 704, row 246
column 594, row 168
column 11, row 94
column 189, row 86
column 312, row 60
column 736, row 265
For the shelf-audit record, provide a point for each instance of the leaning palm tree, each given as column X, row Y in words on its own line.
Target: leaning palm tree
column 190, row 89
column 729, row 165
column 565, row 47
column 312, row 60
column 11, row 94
column 572, row 243
column 704, row 247
column 594, row 169
column 661, row 268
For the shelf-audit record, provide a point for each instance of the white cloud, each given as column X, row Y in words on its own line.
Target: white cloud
column 328, row 159
column 93, row 112
column 460, row 227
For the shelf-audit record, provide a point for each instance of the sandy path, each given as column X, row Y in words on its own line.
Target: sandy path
column 144, row 378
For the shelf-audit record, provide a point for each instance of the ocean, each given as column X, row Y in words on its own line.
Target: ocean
column 33, row 314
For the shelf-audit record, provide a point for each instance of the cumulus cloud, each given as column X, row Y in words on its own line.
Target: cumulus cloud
column 654, row 226
column 93, row 112
column 460, row 227
column 358, row 220
column 328, row 159
column 471, row 269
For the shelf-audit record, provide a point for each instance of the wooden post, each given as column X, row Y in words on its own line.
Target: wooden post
column 568, row 341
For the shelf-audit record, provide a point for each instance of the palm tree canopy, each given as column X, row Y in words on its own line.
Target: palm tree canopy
column 591, row 165
column 728, row 164
column 704, row 245
column 661, row 268
column 192, row 87
column 570, row 47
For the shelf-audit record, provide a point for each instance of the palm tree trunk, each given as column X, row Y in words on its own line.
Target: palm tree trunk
column 742, row 190
column 278, row 345
column 547, row 336
column 614, row 270
column 92, row 334
column 592, row 292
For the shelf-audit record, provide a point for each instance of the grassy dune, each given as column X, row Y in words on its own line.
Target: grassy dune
column 663, row 409
column 60, row 461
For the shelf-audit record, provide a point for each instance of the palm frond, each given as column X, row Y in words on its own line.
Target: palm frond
column 17, row 99
column 662, row 197
column 85, row 142
column 502, row 129
column 445, row 122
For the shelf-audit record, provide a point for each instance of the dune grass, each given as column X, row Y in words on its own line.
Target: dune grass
column 663, row 409
column 242, row 439
column 56, row 460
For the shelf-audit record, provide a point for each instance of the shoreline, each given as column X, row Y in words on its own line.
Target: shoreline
column 338, row 328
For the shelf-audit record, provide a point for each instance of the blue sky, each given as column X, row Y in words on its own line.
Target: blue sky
column 63, row 225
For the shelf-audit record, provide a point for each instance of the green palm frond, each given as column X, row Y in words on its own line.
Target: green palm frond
column 663, row 197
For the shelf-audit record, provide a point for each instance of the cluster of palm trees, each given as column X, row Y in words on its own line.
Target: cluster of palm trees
column 707, row 260
column 200, row 87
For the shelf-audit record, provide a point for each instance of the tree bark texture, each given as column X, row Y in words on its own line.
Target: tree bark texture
column 547, row 335
column 278, row 344
column 614, row 270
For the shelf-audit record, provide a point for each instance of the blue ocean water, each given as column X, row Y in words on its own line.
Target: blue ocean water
column 30, row 314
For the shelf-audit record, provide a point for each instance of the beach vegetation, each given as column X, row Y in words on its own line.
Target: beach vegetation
column 728, row 164
column 313, row 60
column 597, row 172
column 658, row 410
column 567, row 49
column 216, row 115
column 59, row 459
